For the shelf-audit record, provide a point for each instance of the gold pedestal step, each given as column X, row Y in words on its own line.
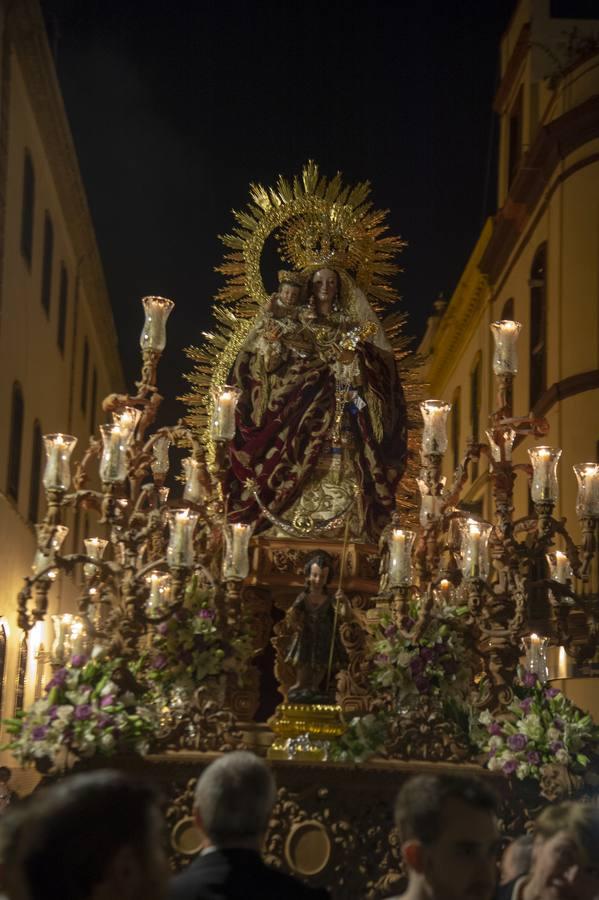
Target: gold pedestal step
column 303, row 730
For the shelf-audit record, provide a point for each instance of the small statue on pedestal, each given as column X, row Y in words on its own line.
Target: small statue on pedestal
column 313, row 620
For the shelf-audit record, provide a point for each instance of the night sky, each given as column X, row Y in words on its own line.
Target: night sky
column 176, row 107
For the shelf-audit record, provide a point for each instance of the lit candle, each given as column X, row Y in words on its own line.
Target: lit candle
column 95, row 548
column 180, row 553
column 434, row 435
column 236, row 564
column 505, row 358
column 113, row 463
column 544, row 486
column 559, row 567
column 127, row 420
column 193, row 489
column 224, row 403
column 400, row 545
column 57, row 473
column 475, row 558
column 587, row 501
column 535, row 658
column 160, row 587
column 562, row 663
column 153, row 335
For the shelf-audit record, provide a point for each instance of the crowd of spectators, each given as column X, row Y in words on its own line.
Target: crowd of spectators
column 101, row 836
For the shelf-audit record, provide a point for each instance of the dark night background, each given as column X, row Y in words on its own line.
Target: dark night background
column 175, row 108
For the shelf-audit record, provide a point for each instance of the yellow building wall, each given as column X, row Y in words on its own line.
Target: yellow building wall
column 566, row 217
column 32, row 117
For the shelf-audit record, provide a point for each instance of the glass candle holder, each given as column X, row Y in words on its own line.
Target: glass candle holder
column 95, row 548
column 160, row 460
column 153, row 334
column 159, row 595
column 224, row 403
column 535, row 655
column 128, row 420
column 434, row 435
column 57, row 472
column 163, row 493
column 475, row 555
column 587, row 500
column 501, row 449
column 193, row 490
column 61, row 645
column 180, row 553
column 430, row 504
column 236, row 562
column 41, row 560
column 544, row 486
column 78, row 637
column 560, row 569
column 399, row 568
column 505, row 357
column 113, row 462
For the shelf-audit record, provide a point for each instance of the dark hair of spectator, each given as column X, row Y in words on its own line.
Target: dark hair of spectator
column 79, row 826
column 420, row 802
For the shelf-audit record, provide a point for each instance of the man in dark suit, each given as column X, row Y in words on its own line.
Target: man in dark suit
column 233, row 801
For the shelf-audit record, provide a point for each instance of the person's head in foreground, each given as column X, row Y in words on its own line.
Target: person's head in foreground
column 449, row 837
column 516, row 858
column 565, row 856
column 233, row 800
column 96, row 836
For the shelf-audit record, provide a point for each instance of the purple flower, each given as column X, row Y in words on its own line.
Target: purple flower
column 550, row 693
column 494, row 728
column 422, row 684
column 554, row 746
column 509, row 767
column 104, row 721
column 382, row 659
column 533, row 757
column 209, row 614
column 559, row 723
column 529, row 679
column 159, row 662
column 416, row 665
column 58, row 680
column 39, row 732
column 78, row 660
column 108, row 700
column 83, row 711
column 162, row 628
column 408, row 623
column 426, row 653
column 53, row 713
column 517, row 742
column 525, row 705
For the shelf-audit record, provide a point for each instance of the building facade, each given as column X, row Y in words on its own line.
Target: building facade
column 536, row 261
column 58, row 347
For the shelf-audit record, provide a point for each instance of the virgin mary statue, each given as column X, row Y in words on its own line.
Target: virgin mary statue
column 321, row 428
column 321, row 421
